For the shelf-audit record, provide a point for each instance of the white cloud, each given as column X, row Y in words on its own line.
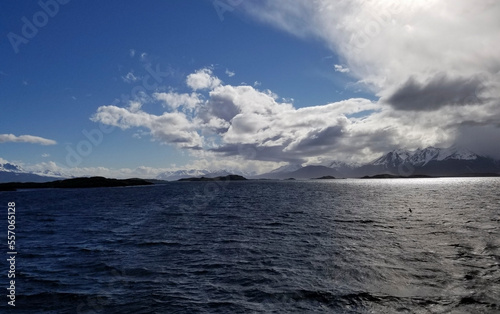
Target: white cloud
column 205, row 161
column 51, row 167
column 169, row 127
column 341, row 69
column 384, row 43
column 45, row 155
column 230, row 73
column 175, row 100
column 434, row 64
column 134, row 106
column 4, row 138
column 250, row 128
column 132, row 53
column 253, row 124
column 244, row 123
column 202, row 79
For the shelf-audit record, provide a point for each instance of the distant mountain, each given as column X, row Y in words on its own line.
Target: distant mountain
column 344, row 169
column 430, row 161
column 185, row 174
column 307, row 172
column 287, row 168
column 181, row 174
column 10, row 172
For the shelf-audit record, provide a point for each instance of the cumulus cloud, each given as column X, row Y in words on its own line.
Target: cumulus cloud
column 5, row 138
column 202, row 79
column 255, row 125
column 169, row 127
column 175, row 100
column 243, row 122
column 230, row 73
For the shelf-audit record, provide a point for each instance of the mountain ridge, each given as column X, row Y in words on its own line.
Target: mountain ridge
column 430, row 161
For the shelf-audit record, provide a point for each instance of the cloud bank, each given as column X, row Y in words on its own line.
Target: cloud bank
column 417, row 56
column 5, row 138
column 243, row 123
column 434, row 66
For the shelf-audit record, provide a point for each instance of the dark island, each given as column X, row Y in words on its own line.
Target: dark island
column 325, row 178
column 92, row 182
column 230, row 177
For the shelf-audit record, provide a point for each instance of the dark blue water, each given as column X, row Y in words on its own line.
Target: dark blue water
column 343, row 246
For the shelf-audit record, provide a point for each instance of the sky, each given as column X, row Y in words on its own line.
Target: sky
column 129, row 88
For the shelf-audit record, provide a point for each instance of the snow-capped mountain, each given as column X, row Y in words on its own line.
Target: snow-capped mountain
column 421, row 157
column 432, row 161
column 51, row 173
column 393, row 159
column 10, row 172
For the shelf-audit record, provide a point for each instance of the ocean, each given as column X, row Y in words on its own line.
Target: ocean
column 318, row 246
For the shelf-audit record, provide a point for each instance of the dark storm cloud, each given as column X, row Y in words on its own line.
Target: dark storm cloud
column 318, row 141
column 255, row 152
column 479, row 138
column 437, row 92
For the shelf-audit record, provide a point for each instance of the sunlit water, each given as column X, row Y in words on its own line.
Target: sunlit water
column 341, row 246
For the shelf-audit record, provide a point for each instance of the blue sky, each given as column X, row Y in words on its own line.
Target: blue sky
column 270, row 61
